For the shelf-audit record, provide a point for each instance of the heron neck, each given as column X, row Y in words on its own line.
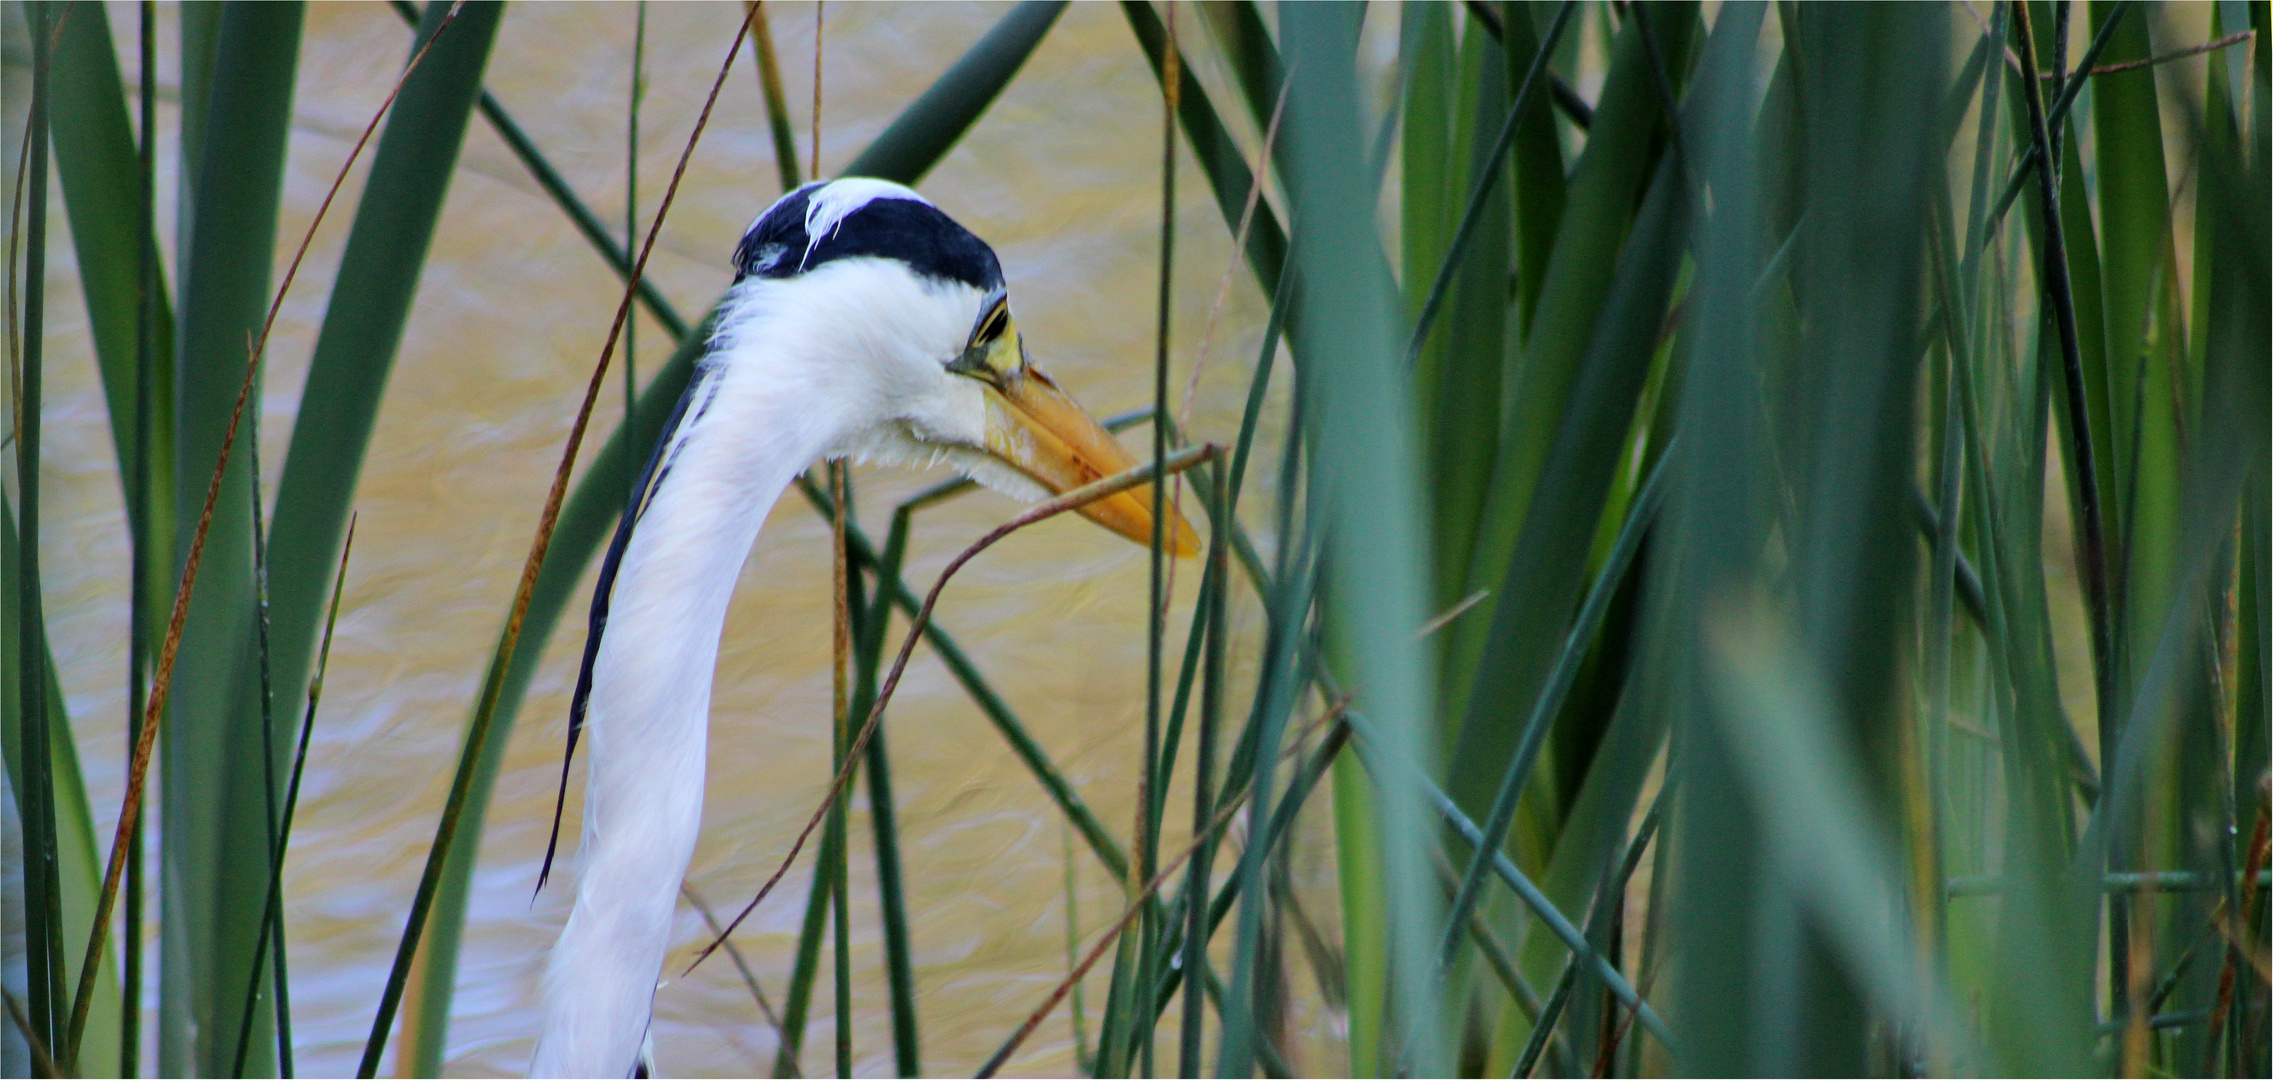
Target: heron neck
column 750, row 423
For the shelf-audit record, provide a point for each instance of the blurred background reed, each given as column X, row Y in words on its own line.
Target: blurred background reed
column 1741, row 546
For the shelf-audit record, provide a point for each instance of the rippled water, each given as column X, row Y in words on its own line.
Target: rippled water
column 1062, row 177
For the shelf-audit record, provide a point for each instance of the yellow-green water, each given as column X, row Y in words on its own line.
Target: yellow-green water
column 1062, row 176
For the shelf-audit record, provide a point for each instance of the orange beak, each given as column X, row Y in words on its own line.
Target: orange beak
column 1039, row 430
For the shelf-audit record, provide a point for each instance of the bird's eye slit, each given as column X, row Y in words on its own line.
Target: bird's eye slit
column 990, row 328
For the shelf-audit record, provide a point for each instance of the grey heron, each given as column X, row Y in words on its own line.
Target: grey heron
column 863, row 323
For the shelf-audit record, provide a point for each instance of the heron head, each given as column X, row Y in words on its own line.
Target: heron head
column 927, row 345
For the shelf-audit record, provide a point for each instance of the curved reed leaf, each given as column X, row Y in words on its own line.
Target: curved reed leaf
column 1365, row 481
column 43, row 958
column 929, row 127
column 216, row 833
column 363, row 325
column 101, row 176
column 1216, row 152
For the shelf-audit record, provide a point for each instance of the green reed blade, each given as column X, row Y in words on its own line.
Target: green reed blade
column 1550, row 700
column 1713, row 522
column 1495, row 955
column 1967, row 579
column 1238, row 775
column 1537, row 169
column 808, row 963
column 48, row 982
column 379, row 272
column 1113, row 1027
column 541, row 170
column 1083, row 1060
column 150, row 324
column 873, row 618
column 1458, row 397
column 1931, row 800
column 272, row 910
column 1380, row 758
column 777, row 103
column 2138, row 278
column 1923, row 802
column 1365, row 482
column 279, row 985
column 2055, row 117
column 1286, row 656
column 1482, row 185
column 1853, row 427
column 2233, row 446
column 1258, row 385
column 2028, row 950
column 1600, row 812
column 899, row 962
column 1203, row 768
column 1604, row 189
column 1434, row 172
column 216, row 849
column 1245, row 45
column 200, row 33
column 1816, row 813
column 1609, row 905
column 1153, row 772
column 2069, row 270
column 2251, row 700
column 99, row 168
column 2133, row 197
column 1544, row 1027
column 1299, row 789
column 1543, row 578
column 1214, row 150
column 1187, row 677
column 1203, row 630
column 2072, row 298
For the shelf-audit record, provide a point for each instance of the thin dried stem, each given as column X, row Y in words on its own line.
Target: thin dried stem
column 43, row 1063
column 494, row 686
column 818, row 24
column 1260, row 169
column 1223, row 817
column 138, row 774
column 542, row 543
column 2234, row 950
column 1078, row 497
column 749, row 978
column 2179, row 54
column 777, row 101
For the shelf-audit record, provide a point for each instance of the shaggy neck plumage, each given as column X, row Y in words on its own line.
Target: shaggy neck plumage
column 756, row 415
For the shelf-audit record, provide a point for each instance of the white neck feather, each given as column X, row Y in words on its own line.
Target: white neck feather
column 759, row 415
